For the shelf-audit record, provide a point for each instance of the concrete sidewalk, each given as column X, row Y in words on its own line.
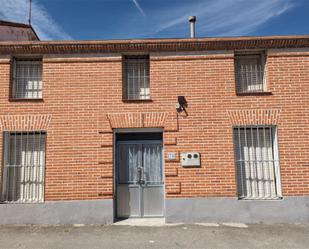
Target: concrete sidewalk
column 180, row 236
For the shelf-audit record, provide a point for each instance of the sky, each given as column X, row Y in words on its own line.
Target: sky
column 131, row 19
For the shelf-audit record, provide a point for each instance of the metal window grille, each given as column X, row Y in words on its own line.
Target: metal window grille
column 27, row 79
column 137, row 86
column 257, row 162
column 250, row 73
column 23, row 167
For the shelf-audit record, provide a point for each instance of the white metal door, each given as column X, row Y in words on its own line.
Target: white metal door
column 140, row 185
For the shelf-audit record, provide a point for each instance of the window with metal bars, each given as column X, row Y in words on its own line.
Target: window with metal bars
column 257, row 162
column 136, row 77
column 249, row 70
column 23, row 167
column 27, row 78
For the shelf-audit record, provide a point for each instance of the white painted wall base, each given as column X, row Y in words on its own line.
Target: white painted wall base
column 191, row 210
column 58, row 213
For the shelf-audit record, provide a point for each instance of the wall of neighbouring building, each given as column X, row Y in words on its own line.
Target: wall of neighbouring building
column 17, row 32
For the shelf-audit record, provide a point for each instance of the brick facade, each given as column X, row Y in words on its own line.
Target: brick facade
column 82, row 104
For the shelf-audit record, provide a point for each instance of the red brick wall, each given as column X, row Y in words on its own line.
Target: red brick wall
column 83, row 99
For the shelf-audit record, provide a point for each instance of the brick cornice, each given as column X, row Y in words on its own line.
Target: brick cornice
column 254, row 117
column 29, row 122
column 193, row 57
column 153, row 45
column 80, row 60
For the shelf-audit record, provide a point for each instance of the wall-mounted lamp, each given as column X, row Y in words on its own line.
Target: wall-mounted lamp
column 182, row 104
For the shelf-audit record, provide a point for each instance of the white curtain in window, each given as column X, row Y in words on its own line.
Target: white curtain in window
column 137, row 77
column 28, row 79
column 257, row 162
column 24, row 169
column 250, row 73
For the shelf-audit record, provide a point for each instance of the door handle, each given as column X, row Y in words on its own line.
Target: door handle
column 140, row 171
column 139, row 174
column 142, row 176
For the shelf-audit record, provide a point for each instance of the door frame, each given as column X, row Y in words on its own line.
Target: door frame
column 134, row 130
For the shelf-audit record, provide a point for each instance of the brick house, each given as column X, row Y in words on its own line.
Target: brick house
column 193, row 130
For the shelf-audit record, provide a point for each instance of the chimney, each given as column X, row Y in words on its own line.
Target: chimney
column 192, row 20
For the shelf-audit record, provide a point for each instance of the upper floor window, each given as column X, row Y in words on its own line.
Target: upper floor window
column 136, row 77
column 250, row 76
column 26, row 78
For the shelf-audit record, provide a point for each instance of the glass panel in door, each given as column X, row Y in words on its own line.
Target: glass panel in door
column 128, row 188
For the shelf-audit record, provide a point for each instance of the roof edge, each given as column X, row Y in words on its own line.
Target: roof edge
column 14, row 24
column 156, row 40
column 151, row 45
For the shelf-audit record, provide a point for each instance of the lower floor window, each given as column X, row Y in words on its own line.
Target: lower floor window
column 257, row 162
column 23, row 167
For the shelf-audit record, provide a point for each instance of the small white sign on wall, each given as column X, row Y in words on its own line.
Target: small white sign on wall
column 171, row 155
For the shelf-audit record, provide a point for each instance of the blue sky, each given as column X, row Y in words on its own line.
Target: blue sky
column 128, row 19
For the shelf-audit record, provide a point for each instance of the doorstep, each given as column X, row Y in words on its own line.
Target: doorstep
column 143, row 222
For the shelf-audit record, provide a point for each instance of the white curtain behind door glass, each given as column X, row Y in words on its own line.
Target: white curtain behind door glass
column 152, row 162
column 128, row 160
column 256, row 163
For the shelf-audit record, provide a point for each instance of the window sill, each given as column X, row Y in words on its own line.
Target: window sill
column 136, row 100
column 265, row 93
column 279, row 198
column 25, row 100
column 20, row 203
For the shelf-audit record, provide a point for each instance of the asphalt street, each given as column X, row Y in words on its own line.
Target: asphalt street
column 180, row 236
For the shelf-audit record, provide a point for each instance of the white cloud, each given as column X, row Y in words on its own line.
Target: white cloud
column 44, row 25
column 219, row 17
column 167, row 19
column 137, row 5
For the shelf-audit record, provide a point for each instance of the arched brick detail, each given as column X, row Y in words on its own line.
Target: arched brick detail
column 24, row 122
column 254, row 117
column 125, row 120
column 138, row 120
column 153, row 119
